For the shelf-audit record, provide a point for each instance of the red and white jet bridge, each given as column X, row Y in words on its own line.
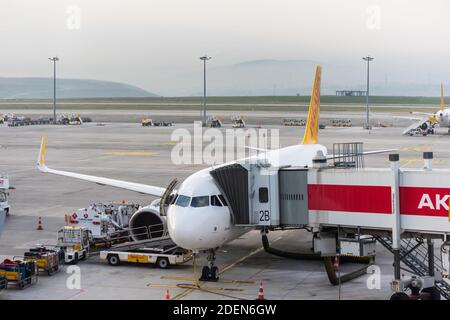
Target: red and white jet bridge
column 347, row 209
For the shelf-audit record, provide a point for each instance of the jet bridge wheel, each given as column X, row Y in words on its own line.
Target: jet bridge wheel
column 399, row 296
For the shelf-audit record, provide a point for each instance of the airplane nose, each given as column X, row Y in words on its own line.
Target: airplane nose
column 180, row 227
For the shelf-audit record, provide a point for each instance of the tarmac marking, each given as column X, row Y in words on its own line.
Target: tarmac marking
column 188, row 291
column 131, row 153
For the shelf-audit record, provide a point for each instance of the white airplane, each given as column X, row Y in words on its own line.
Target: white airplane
column 427, row 123
column 199, row 217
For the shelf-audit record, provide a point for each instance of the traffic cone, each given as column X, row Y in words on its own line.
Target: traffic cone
column 167, row 294
column 39, row 227
column 336, row 263
column 261, row 292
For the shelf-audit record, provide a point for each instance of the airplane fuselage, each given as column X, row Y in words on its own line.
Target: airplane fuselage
column 197, row 221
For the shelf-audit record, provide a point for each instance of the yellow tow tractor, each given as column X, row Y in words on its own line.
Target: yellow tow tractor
column 147, row 122
column 75, row 242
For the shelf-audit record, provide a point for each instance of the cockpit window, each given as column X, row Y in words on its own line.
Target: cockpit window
column 198, row 202
column 222, row 198
column 182, row 201
column 215, row 201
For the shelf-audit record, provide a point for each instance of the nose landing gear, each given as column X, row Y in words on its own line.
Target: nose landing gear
column 210, row 272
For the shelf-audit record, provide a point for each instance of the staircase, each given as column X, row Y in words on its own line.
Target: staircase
column 414, row 254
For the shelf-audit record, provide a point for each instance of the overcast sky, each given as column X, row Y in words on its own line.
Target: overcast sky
column 147, row 42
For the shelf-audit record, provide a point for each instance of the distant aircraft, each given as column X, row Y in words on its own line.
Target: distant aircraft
column 427, row 124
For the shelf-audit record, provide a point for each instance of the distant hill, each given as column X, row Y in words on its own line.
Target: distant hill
column 291, row 77
column 42, row 88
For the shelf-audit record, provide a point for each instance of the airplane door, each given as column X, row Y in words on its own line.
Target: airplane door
column 263, row 196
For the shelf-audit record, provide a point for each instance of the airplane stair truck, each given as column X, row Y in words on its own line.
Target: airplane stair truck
column 347, row 208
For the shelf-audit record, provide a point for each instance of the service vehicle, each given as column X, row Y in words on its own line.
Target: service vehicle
column 155, row 256
column 47, row 260
column 4, row 186
column 214, row 122
column 147, row 122
column 75, row 242
column 104, row 220
column 238, row 122
column 294, row 122
column 20, row 273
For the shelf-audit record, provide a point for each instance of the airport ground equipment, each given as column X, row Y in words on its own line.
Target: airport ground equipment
column 75, row 242
column 341, row 122
column 47, row 260
column 342, row 204
column 146, row 122
column 294, row 122
column 159, row 123
column 214, row 122
column 2, row 220
column 3, row 283
column 104, row 220
column 421, row 128
column 238, row 121
column 163, row 257
column 19, row 273
column 4, row 187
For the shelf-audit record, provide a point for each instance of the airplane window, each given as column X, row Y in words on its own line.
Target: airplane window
column 222, row 199
column 198, row 202
column 215, row 201
column 183, row 201
column 263, row 195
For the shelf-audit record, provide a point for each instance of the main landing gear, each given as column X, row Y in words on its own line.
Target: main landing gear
column 210, row 272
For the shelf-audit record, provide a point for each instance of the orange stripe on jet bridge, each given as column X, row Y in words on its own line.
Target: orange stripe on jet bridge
column 350, row 198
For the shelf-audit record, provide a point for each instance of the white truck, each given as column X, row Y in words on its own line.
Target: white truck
column 4, row 187
column 103, row 220
column 75, row 242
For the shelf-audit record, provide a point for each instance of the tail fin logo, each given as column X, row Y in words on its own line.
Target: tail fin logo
column 312, row 123
column 442, row 97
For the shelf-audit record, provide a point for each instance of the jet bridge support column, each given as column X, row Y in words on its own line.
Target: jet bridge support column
column 394, row 160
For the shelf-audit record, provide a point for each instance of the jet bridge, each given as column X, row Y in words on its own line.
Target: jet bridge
column 391, row 202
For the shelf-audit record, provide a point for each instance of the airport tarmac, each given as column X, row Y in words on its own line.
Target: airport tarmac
column 131, row 152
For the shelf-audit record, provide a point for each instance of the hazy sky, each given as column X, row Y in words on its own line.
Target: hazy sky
column 149, row 42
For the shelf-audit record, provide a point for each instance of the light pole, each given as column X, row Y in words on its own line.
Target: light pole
column 54, row 59
column 203, row 114
column 368, row 59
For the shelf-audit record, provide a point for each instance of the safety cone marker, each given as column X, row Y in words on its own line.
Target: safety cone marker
column 39, row 227
column 261, row 292
column 336, row 263
column 167, row 294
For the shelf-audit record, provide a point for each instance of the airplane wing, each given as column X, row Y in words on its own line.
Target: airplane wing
column 256, row 149
column 423, row 113
column 409, row 118
column 142, row 188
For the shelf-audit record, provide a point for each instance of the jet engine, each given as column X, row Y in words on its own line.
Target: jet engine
column 147, row 223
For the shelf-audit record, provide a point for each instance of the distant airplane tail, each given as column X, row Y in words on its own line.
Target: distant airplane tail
column 312, row 123
column 442, row 97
